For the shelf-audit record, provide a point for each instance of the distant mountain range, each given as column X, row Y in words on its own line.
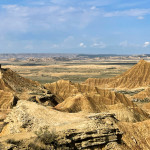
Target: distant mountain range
column 66, row 55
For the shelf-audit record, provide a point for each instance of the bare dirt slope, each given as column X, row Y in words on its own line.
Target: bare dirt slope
column 143, row 94
column 82, row 97
column 65, row 88
column 136, row 135
column 24, row 88
column 76, row 130
column 83, row 115
column 137, row 76
column 7, row 100
column 145, row 106
column 12, row 81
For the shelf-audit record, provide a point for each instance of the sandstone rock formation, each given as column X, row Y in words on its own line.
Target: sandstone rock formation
column 45, row 99
column 78, row 131
column 143, row 95
column 81, row 97
column 136, row 135
column 11, row 81
column 24, row 88
column 7, row 100
column 64, row 89
column 83, row 116
column 137, row 76
column 145, row 107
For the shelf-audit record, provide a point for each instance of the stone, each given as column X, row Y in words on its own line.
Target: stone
column 78, row 130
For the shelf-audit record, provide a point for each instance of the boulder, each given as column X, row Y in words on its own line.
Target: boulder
column 76, row 130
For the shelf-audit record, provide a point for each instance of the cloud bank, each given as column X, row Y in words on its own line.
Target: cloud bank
column 47, row 25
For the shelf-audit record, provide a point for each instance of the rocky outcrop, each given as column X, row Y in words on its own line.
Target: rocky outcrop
column 77, row 131
column 45, row 99
column 24, row 88
column 7, row 100
column 136, row 135
column 90, row 138
column 82, row 116
column 137, row 76
column 75, row 97
column 64, row 89
column 143, row 95
column 145, row 107
column 14, row 82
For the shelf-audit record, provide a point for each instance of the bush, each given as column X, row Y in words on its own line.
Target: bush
column 45, row 136
column 13, row 141
column 38, row 146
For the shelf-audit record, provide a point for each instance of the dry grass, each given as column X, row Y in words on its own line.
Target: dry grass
column 76, row 71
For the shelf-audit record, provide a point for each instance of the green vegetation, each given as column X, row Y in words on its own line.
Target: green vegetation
column 45, row 136
column 13, row 141
column 130, row 92
column 75, row 70
column 109, row 63
column 145, row 100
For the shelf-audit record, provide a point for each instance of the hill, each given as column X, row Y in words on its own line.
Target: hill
column 146, row 107
column 15, row 85
column 137, row 76
column 143, row 95
column 11, row 81
column 85, row 116
column 80, row 97
column 136, row 135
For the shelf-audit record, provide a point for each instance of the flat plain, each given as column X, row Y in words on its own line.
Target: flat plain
column 48, row 71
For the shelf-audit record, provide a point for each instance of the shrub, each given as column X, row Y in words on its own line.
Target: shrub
column 13, row 141
column 37, row 146
column 45, row 136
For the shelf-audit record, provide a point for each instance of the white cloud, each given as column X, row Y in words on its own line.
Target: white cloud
column 98, row 3
column 48, row 20
column 124, row 43
column 140, row 17
column 130, row 12
column 29, row 46
column 55, row 46
column 99, row 45
column 40, row 3
column 82, row 45
column 19, row 18
column 68, row 42
column 93, row 7
column 146, row 44
column 46, row 17
column 68, row 39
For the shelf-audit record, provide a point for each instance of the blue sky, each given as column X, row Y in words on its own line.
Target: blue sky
column 75, row 26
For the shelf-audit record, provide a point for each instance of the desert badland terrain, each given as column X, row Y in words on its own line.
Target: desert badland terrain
column 74, row 102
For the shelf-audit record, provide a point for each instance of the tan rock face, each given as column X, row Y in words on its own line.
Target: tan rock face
column 136, row 135
column 25, row 89
column 145, row 107
column 137, row 76
column 81, row 97
column 76, row 130
column 82, row 115
column 14, row 82
column 7, row 100
column 143, row 94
